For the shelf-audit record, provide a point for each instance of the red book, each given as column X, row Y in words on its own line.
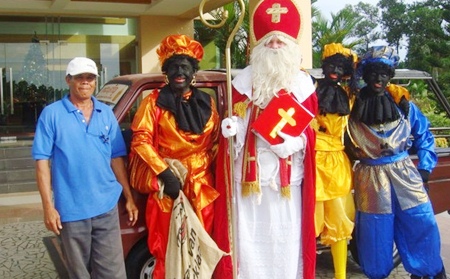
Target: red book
column 283, row 113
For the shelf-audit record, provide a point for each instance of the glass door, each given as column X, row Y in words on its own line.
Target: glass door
column 24, row 70
column 33, row 67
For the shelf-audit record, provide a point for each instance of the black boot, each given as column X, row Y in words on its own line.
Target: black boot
column 441, row 275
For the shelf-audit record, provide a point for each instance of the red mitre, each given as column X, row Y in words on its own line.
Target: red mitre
column 272, row 17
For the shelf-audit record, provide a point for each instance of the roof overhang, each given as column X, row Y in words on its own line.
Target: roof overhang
column 109, row 8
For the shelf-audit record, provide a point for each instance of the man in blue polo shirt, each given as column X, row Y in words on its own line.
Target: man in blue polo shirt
column 80, row 171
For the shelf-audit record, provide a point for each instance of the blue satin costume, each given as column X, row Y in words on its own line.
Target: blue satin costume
column 391, row 201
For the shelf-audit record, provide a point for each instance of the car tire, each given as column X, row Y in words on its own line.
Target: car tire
column 354, row 252
column 140, row 263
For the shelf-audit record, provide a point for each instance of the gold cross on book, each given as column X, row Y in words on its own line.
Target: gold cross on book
column 286, row 118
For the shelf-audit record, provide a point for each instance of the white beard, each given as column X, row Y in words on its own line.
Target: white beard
column 273, row 70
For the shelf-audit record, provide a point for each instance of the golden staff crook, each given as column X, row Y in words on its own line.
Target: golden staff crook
column 231, row 208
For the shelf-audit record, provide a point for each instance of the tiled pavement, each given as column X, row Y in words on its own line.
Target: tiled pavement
column 24, row 255
column 324, row 269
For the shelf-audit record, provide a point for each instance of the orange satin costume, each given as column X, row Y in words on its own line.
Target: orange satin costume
column 195, row 151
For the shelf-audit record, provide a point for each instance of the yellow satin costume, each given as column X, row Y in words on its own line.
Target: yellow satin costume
column 155, row 137
column 334, row 202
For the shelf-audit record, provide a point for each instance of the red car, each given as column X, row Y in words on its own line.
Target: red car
column 124, row 95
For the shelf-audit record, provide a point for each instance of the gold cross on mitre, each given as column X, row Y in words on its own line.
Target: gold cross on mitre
column 286, row 118
column 276, row 12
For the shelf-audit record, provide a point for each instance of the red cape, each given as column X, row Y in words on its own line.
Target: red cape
column 221, row 228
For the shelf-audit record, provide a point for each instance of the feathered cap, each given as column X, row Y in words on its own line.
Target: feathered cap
column 337, row 48
column 272, row 17
column 384, row 54
column 179, row 44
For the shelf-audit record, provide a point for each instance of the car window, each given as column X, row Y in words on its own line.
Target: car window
column 110, row 94
column 128, row 119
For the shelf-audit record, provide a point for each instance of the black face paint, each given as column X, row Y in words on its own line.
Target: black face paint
column 333, row 72
column 180, row 74
column 377, row 81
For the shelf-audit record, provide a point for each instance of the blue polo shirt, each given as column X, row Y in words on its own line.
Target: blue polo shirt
column 84, row 185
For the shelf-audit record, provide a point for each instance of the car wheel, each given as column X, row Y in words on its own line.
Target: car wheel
column 354, row 252
column 139, row 262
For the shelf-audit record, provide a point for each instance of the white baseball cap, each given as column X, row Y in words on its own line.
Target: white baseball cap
column 81, row 65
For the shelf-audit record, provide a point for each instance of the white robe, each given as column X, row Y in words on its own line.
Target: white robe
column 269, row 225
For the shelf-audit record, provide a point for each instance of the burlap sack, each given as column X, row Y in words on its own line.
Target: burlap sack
column 191, row 252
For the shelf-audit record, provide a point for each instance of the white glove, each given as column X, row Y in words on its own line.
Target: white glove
column 229, row 126
column 289, row 146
